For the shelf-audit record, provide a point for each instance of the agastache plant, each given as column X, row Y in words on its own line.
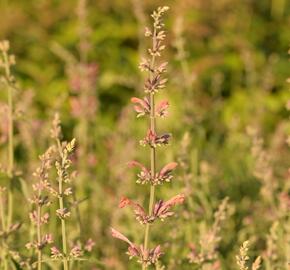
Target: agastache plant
column 146, row 107
column 63, row 163
column 39, row 200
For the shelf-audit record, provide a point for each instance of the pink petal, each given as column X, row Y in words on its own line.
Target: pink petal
column 120, row 236
column 124, row 202
column 134, row 163
column 168, row 168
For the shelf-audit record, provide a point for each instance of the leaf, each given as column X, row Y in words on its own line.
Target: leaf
column 16, row 265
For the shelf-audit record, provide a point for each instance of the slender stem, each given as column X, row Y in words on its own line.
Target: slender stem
column 63, row 229
column 10, row 166
column 5, row 261
column 2, row 213
column 152, row 150
column 61, row 206
column 39, row 252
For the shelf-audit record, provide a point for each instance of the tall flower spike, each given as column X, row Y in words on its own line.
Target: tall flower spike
column 154, row 82
column 62, row 190
column 7, row 60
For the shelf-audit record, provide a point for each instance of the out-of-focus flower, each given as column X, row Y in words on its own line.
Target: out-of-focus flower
column 83, row 75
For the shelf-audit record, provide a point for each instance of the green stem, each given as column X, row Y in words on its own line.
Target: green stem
column 63, row 230
column 152, row 151
column 10, row 166
column 61, row 206
column 39, row 252
column 5, row 261
column 2, row 213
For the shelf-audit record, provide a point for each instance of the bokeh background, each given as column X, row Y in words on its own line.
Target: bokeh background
column 227, row 89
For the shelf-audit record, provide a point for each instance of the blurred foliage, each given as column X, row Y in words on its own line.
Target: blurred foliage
column 228, row 68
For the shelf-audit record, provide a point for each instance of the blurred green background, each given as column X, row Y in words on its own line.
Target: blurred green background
column 228, row 66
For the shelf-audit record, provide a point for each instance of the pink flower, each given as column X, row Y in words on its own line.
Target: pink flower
column 161, row 108
column 122, row 237
column 89, row 245
column 83, row 76
column 139, row 211
column 161, row 208
column 141, row 106
column 153, row 140
column 145, row 256
column 76, row 251
column 155, row 84
column 55, row 253
column 144, row 176
column 165, row 174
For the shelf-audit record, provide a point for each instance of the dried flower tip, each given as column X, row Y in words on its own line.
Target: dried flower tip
column 71, row 145
column 4, row 45
column 148, row 32
column 163, row 9
column 67, row 191
column 243, row 257
column 55, row 131
column 12, row 60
